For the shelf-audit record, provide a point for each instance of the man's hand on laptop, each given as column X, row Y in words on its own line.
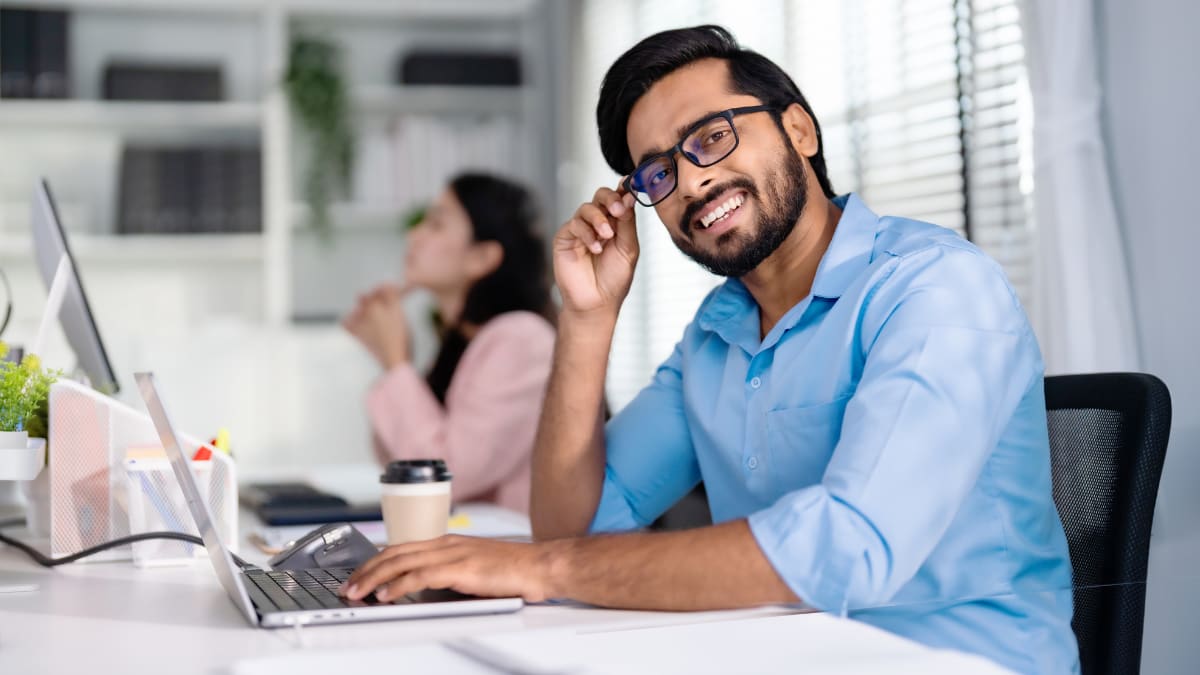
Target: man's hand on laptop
column 470, row 565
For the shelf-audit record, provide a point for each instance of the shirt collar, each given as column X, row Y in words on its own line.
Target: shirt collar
column 850, row 251
column 731, row 311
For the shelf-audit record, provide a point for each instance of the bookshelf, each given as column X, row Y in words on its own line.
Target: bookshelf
column 77, row 142
column 243, row 324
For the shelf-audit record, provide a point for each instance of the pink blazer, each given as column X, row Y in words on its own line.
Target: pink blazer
column 486, row 429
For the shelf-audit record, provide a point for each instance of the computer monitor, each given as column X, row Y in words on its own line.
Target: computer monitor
column 49, row 245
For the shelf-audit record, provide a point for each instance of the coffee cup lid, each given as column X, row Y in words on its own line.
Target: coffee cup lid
column 415, row 471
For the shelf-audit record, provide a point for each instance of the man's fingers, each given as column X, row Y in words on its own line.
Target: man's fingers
column 390, row 553
column 396, row 568
column 583, row 232
column 610, row 200
column 609, row 216
column 443, row 575
column 626, row 237
column 406, row 549
column 600, row 221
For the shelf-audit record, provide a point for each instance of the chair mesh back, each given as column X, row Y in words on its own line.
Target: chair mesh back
column 1108, row 436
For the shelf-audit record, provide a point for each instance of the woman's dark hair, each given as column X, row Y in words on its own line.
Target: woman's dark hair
column 506, row 213
column 661, row 54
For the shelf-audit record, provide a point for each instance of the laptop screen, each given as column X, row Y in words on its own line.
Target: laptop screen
column 222, row 562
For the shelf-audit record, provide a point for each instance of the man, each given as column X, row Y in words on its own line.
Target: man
column 862, row 398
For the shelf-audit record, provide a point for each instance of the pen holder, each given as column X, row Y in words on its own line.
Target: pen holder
column 156, row 503
column 90, row 499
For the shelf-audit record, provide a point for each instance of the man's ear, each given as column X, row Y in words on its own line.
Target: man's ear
column 801, row 130
column 485, row 257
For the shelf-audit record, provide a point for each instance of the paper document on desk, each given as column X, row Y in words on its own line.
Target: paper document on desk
column 813, row 643
column 419, row 658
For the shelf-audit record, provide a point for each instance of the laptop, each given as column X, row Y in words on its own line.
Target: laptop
column 273, row 599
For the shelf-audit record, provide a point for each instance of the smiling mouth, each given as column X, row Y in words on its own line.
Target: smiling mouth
column 722, row 212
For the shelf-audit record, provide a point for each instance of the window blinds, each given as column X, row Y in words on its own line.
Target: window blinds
column 924, row 111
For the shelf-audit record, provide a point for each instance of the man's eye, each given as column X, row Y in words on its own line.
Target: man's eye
column 660, row 176
column 716, row 136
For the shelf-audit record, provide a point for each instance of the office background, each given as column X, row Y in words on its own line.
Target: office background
column 241, row 325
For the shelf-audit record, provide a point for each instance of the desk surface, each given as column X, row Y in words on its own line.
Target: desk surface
column 114, row 617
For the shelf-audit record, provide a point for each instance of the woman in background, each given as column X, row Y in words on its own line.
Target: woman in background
column 478, row 253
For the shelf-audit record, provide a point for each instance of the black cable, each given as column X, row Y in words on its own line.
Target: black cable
column 46, row 561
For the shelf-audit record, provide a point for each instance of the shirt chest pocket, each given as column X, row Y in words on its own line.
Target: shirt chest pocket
column 801, row 441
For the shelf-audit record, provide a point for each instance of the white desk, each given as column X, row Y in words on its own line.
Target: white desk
column 116, row 618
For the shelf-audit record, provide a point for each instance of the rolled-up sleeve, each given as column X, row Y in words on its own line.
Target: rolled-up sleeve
column 650, row 461
column 948, row 358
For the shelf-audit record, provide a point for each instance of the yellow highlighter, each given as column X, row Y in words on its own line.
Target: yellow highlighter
column 222, row 440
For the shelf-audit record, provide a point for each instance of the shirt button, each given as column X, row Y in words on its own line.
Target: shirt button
column 752, row 462
column 756, row 383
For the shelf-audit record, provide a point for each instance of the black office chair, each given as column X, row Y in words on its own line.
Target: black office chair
column 1108, row 437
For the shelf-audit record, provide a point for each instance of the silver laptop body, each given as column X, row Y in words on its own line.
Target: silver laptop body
column 245, row 586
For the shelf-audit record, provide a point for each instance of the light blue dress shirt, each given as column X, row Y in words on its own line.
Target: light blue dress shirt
column 886, row 440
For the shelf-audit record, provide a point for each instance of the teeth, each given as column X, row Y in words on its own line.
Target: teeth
column 719, row 212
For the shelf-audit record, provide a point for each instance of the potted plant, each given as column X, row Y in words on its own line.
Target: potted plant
column 317, row 93
column 24, row 390
column 24, row 395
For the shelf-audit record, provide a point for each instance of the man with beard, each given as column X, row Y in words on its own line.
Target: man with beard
column 862, row 397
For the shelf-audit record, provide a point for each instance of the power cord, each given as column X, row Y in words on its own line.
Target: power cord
column 46, row 561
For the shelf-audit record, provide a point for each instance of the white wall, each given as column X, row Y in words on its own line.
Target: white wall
column 1152, row 109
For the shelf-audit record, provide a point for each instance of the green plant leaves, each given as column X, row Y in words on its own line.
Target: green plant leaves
column 317, row 93
column 24, row 392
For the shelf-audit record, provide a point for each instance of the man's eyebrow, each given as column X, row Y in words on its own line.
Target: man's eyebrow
column 679, row 133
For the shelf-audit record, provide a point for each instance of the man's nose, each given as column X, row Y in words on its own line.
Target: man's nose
column 693, row 180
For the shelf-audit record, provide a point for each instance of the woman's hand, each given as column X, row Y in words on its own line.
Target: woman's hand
column 595, row 253
column 378, row 322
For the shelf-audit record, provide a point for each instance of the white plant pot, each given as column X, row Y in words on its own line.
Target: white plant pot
column 24, row 463
column 14, row 440
column 10, row 494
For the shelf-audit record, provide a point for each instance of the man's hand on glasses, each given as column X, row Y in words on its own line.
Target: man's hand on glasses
column 595, row 253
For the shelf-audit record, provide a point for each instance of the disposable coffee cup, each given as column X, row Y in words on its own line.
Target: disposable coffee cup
column 415, row 500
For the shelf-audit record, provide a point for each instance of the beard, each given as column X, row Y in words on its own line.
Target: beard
column 737, row 253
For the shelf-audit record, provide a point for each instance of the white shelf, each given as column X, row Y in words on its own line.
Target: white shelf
column 442, row 100
column 353, row 217
column 128, row 249
column 128, row 115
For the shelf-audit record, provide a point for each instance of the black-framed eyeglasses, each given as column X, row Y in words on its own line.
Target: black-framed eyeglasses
column 705, row 143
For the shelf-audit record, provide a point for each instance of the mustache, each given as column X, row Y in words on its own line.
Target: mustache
column 694, row 209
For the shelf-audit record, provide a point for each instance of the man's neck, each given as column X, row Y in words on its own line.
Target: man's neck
column 786, row 276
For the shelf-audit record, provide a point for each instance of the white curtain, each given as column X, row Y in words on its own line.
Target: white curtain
column 1082, row 309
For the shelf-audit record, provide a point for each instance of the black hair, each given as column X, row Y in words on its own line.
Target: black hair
column 506, row 213
column 661, row 54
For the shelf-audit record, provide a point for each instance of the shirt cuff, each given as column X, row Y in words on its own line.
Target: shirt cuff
column 613, row 514
column 795, row 536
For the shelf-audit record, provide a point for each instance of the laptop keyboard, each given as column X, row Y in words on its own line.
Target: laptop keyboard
column 301, row 589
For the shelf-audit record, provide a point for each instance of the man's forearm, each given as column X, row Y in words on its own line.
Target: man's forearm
column 716, row 567
column 568, row 456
